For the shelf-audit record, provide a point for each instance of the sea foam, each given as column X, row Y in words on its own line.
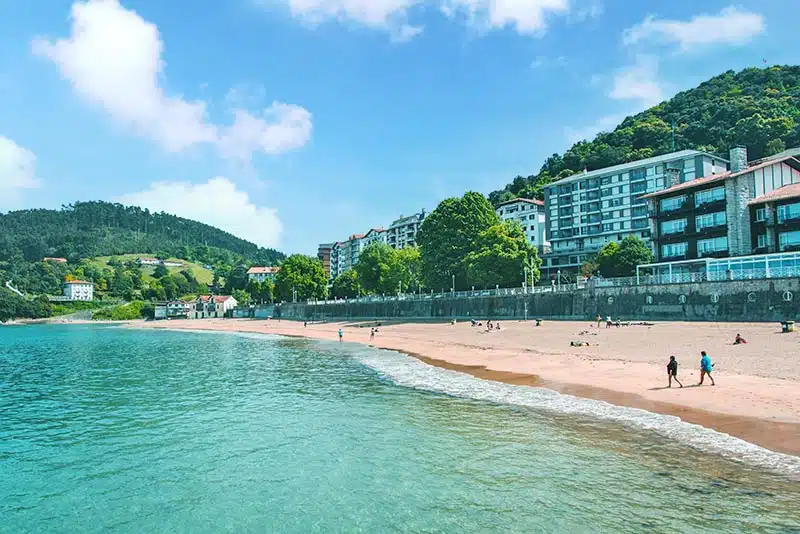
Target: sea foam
column 410, row 372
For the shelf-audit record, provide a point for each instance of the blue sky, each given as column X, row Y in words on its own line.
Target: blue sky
column 295, row 122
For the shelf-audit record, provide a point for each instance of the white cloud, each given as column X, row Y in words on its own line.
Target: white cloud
column 282, row 127
column 639, row 82
column 526, row 16
column 17, row 172
column 217, row 202
column 732, row 26
column 113, row 59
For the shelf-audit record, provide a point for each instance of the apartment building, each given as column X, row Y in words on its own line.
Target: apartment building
column 324, row 255
column 753, row 208
column 530, row 214
column 588, row 210
column 403, row 232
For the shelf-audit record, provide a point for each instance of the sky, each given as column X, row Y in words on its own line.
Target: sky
column 296, row 122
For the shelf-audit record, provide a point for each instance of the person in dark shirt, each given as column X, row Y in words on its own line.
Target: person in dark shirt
column 672, row 371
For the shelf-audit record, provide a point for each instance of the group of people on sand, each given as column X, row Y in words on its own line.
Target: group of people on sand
column 706, row 367
column 489, row 324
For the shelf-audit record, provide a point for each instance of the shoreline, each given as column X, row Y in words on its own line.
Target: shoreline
column 767, row 414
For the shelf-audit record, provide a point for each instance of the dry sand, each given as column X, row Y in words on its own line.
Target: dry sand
column 757, row 396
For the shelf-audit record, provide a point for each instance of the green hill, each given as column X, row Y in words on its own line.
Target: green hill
column 758, row 108
column 88, row 234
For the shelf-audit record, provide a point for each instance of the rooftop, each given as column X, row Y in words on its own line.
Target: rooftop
column 782, row 193
column 263, row 270
column 672, row 156
column 525, row 200
column 70, row 282
column 218, row 299
column 794, row 162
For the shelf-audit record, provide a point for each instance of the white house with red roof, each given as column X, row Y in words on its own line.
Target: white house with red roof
column 78, row 290
column 212, row 306
column 530, row 214
column 259, row 274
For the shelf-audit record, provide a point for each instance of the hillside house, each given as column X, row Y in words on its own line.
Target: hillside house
column 215, row 306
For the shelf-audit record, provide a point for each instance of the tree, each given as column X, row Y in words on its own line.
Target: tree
column 372, row 269
column 617, row 260
column 160, row 271
column 448, row 234
column 242, row 297
column 303, row 274
column 346, row 285
column 501, row 257
column 236, row 279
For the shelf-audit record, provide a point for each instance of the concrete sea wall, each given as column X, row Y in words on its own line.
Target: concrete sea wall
column 727, row 301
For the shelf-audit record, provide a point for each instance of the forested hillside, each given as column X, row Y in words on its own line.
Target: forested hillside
column 88, row 229
column 758, row 108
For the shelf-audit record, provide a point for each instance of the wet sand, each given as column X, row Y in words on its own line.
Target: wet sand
column 757, row 396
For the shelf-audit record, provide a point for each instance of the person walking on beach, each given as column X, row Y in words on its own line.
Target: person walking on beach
column 672, row 371
column 341, row 334
column 371, row 334
column 705, row 368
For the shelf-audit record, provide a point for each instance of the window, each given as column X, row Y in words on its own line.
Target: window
column 673, row 227
column 638, row 187
column 605, row 181
column 638, row 174
column 638, row 211
column 674, row 203
column 688, row 164
column 710, row 220
column 659, row 169
column 709, row 195
column 789, row 240
column 710, row 246
column 762, row 240
column 640, row 223
column 651, row 171
column 761, row 214
column 789, row 212
column 689, row 176
column 674, row 250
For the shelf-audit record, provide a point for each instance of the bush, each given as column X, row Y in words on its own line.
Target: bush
column 125, row 312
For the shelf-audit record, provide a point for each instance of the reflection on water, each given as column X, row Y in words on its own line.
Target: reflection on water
column 141, row 431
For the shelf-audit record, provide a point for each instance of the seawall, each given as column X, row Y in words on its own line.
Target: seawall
column 771, row 300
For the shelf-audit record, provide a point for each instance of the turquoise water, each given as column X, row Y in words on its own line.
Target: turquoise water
column 104, row 429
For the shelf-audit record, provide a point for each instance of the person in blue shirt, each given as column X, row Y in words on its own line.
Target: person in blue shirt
column 341, row 333
column 705, row 368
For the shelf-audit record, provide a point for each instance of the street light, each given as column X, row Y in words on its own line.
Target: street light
column 453, row 288
column 559, row 279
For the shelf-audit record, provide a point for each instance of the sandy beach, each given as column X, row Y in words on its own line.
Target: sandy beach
column 757, row 396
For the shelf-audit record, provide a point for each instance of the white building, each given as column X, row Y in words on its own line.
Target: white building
column 148, row 261
column 376, row 235
column 78, row 290
column 403, row 232
column 530, row 215
column 260, row 274
column 588, row 210
column 212, row 306
column 344, row 254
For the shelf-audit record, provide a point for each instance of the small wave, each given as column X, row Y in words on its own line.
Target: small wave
column 248, row 335
column 407, row 371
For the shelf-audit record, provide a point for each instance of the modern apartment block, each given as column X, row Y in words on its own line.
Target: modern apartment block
column 402, row 233
column 588, row 210
column 530, row 214
column 750, row 209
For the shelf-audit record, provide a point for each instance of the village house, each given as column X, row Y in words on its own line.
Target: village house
column 55, row 260
column 259, row 274
column 215, row 306
column 148, row 261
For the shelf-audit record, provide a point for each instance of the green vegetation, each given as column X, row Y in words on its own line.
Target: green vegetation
column 617, row 260
column 66, row 308
column 382, row 270
column 203, row 275
column 346, row 286
column 303, row 275
column 13, row 306
column 464, row 243
column 758, row 108
column 124, row 312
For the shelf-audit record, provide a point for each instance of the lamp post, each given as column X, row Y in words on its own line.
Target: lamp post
column 453, row 287
column 294, row 294
column 559, row 279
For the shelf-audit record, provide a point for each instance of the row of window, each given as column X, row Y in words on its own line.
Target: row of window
column 705, row 247
column 701, row 222
column 700, row 198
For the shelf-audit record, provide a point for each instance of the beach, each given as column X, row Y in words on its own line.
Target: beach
column 757, row 396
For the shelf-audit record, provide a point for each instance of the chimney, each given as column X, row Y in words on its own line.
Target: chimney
column 738, row 158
